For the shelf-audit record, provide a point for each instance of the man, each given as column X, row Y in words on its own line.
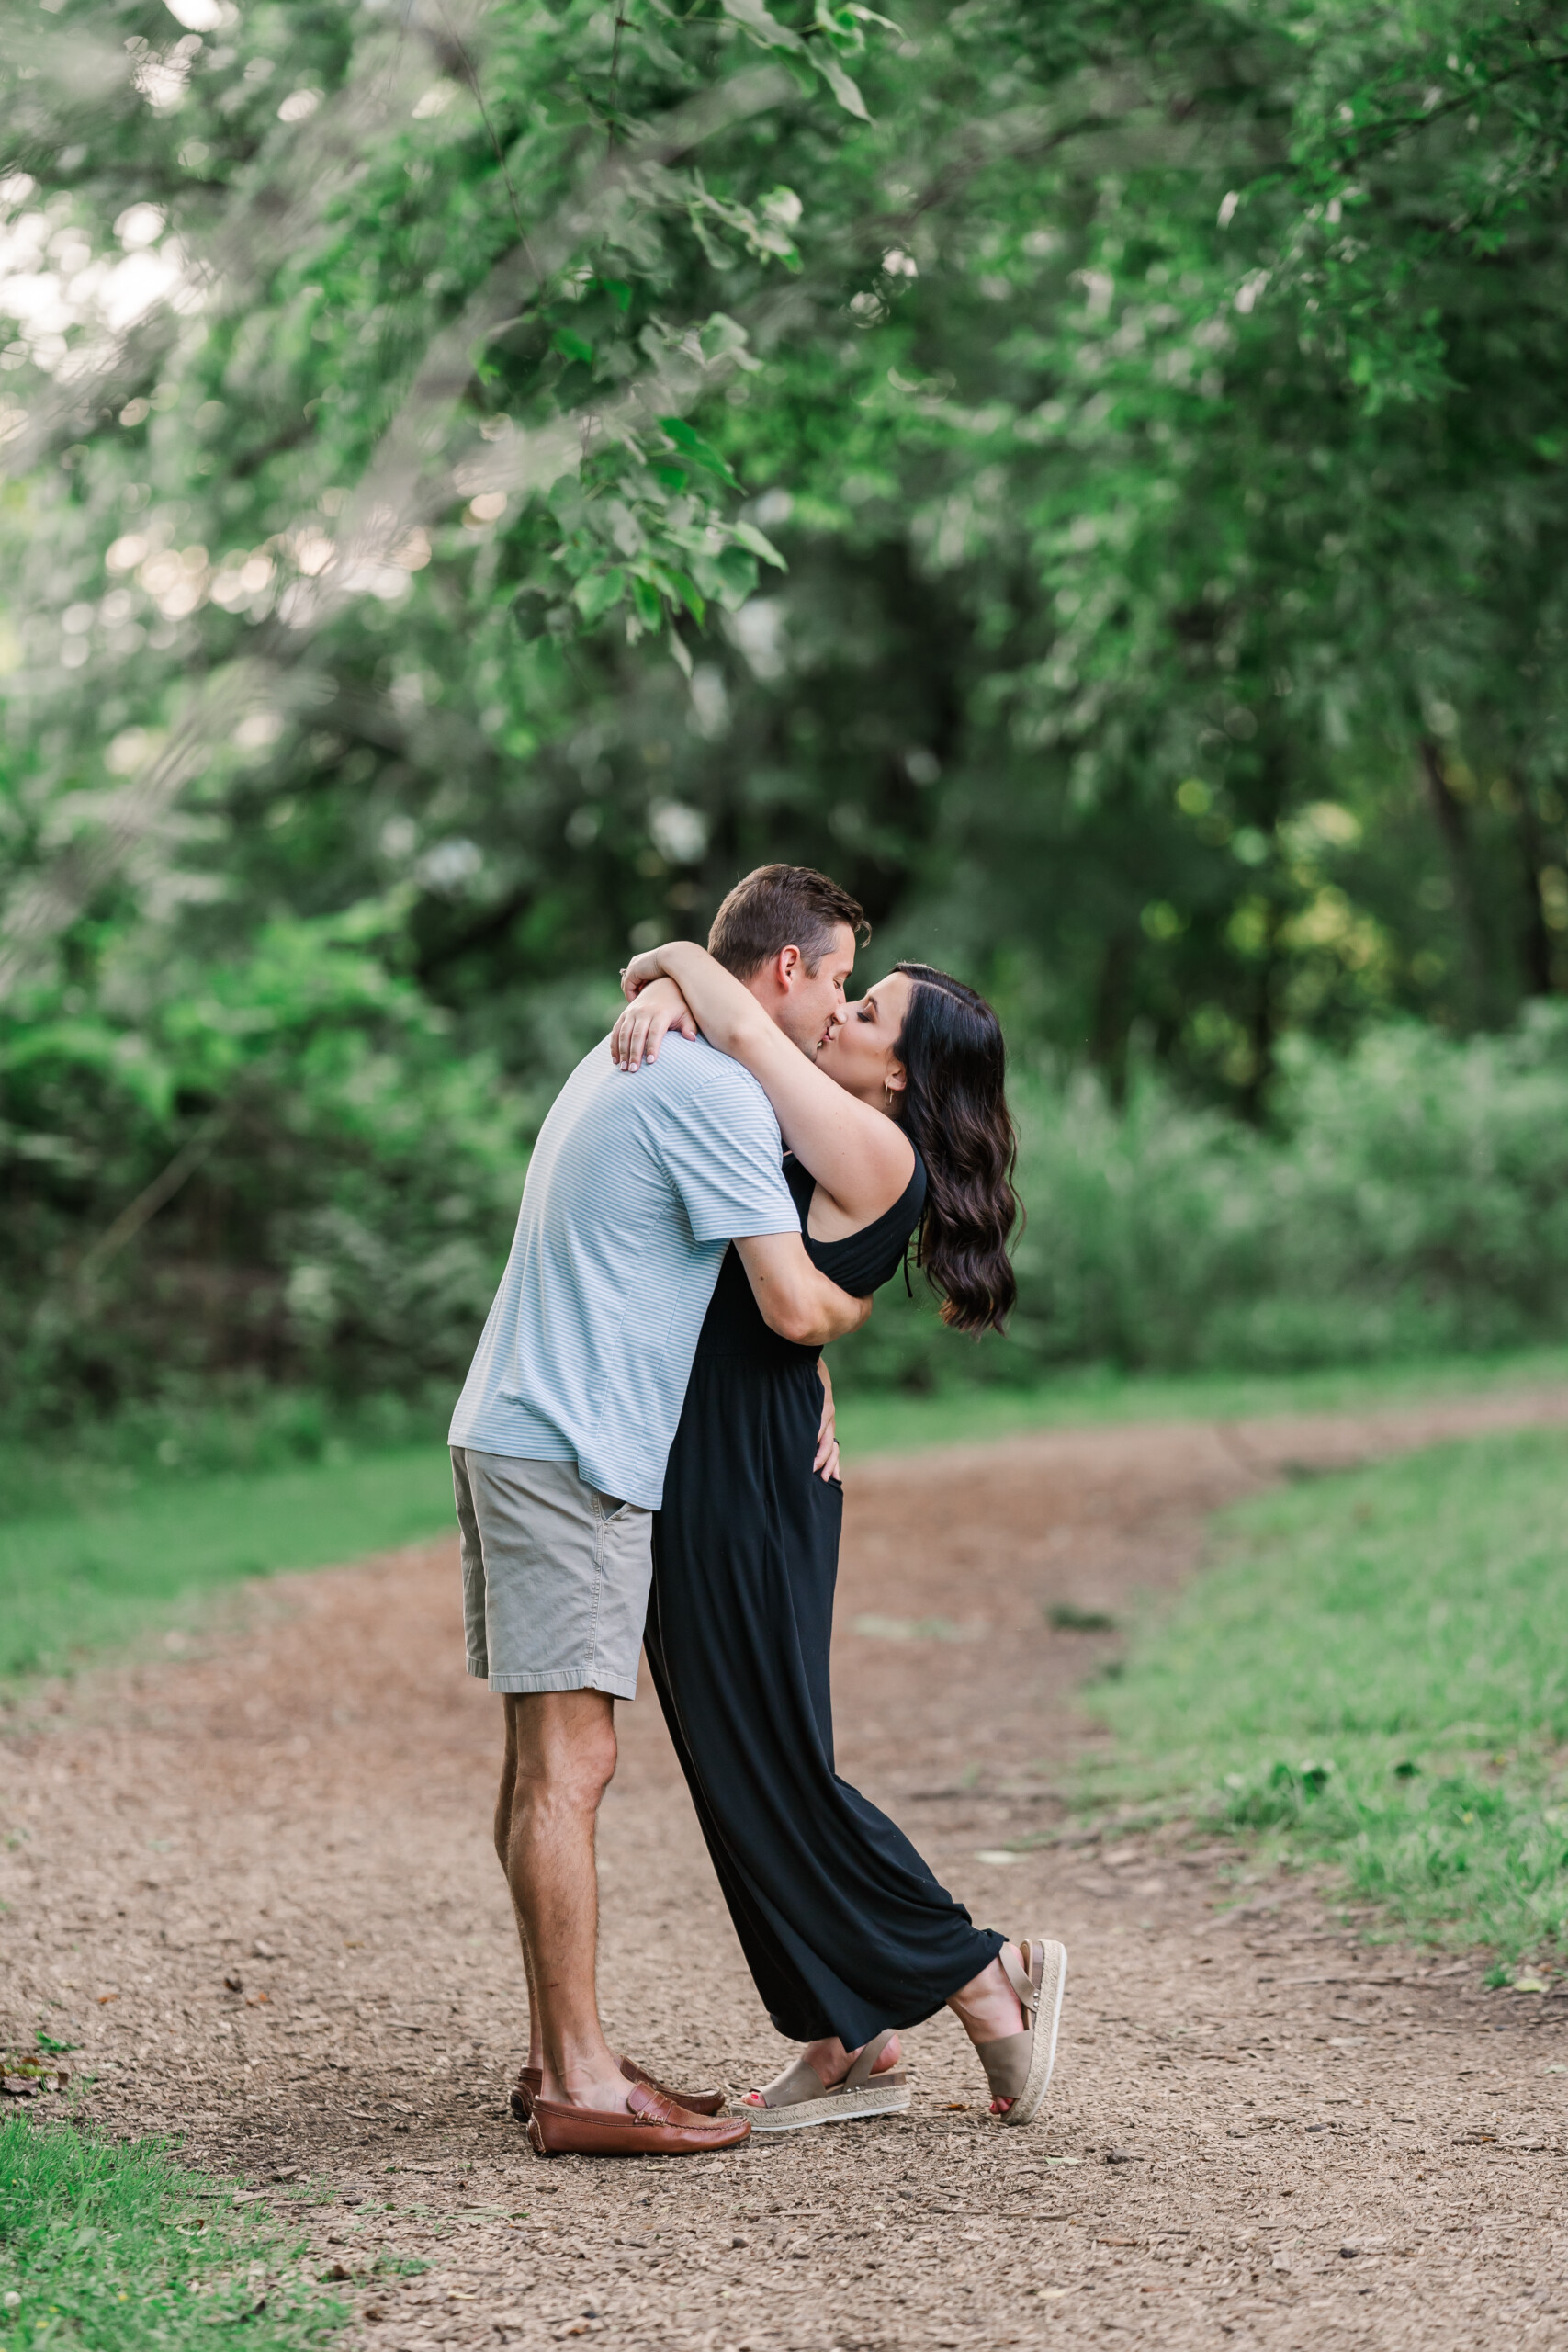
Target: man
column 559, row 1445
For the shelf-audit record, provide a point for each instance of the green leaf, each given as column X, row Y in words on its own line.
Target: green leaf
column 764, row 29
column 691, row 445
column 682, row 585
column 846, row 17
column 732, row 577
column 598, row 593
column 840, row 83
column 620, row 293
column 749, row 536
column 572, row 346
column 647, row 601
column 724, row 337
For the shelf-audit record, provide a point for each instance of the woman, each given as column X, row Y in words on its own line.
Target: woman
column 901, row 1125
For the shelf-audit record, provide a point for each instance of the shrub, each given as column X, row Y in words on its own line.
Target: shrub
column 1409, row 1196
column 354, row 1183
column 341, row 1182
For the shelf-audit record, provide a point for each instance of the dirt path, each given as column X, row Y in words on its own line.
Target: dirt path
column 255, row 1883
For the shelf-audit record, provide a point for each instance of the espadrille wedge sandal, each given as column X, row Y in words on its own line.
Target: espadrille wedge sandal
column 1018, row 2065
column 800, row 2098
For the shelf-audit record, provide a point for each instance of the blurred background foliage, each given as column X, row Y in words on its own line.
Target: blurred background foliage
column 477, row 478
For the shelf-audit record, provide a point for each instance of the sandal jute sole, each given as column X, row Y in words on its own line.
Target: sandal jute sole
column 798, row 2099
column 1018, row 2065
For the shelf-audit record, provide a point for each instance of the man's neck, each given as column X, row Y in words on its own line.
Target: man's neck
column 775, row 1002
column 768, row 993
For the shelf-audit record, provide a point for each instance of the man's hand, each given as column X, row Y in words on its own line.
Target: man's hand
column 797, row 1302
column 636, row 1036
column 827, row 1461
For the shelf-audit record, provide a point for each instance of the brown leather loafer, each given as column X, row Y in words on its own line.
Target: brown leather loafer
column 526, row 2090
column 654, row 2126
column 695, row 2102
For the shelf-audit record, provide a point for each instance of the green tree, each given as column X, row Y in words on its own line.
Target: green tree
column 478, row 481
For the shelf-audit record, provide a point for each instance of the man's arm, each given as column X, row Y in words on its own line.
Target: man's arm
column 796, row 1301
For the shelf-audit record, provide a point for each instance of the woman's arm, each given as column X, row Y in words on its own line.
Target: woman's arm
column 657, row 1009
column 862, row 1160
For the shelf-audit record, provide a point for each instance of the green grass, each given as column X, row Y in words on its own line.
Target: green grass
column 116, row 2249
column 73, row 1582
column 881, row 1421
column 1374, row 1673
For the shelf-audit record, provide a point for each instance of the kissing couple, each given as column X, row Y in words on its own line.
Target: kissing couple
column 644, row 1455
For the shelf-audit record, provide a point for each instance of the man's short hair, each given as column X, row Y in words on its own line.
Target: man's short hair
column 782, row 906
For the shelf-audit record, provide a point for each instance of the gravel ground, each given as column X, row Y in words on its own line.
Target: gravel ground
column 253, row 1879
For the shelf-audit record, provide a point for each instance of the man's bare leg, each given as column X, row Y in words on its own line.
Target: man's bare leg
column 504, row 1803
column 562, row 1746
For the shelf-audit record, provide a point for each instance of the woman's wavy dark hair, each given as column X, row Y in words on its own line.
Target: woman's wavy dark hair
column 955, row 1110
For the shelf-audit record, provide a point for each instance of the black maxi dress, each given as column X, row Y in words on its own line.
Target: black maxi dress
column 843, row 1927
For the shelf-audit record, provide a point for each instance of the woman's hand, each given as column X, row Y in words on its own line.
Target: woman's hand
column 658, row 1006
column 827, row 1462
column 640, row 972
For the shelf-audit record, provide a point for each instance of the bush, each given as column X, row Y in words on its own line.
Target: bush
column 1409, row 1196
column 341, row 1184
column 354, row 1183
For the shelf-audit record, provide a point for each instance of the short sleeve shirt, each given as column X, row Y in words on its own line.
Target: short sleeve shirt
column 637, row 1184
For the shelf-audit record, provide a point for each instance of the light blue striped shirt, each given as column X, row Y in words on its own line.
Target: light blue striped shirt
column 637, row 1184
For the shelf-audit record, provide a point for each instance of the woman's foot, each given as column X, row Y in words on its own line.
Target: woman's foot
column 831, row 2062
column 988, row 2008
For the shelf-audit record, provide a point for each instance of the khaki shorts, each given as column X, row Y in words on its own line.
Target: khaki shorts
column 555, row 1576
